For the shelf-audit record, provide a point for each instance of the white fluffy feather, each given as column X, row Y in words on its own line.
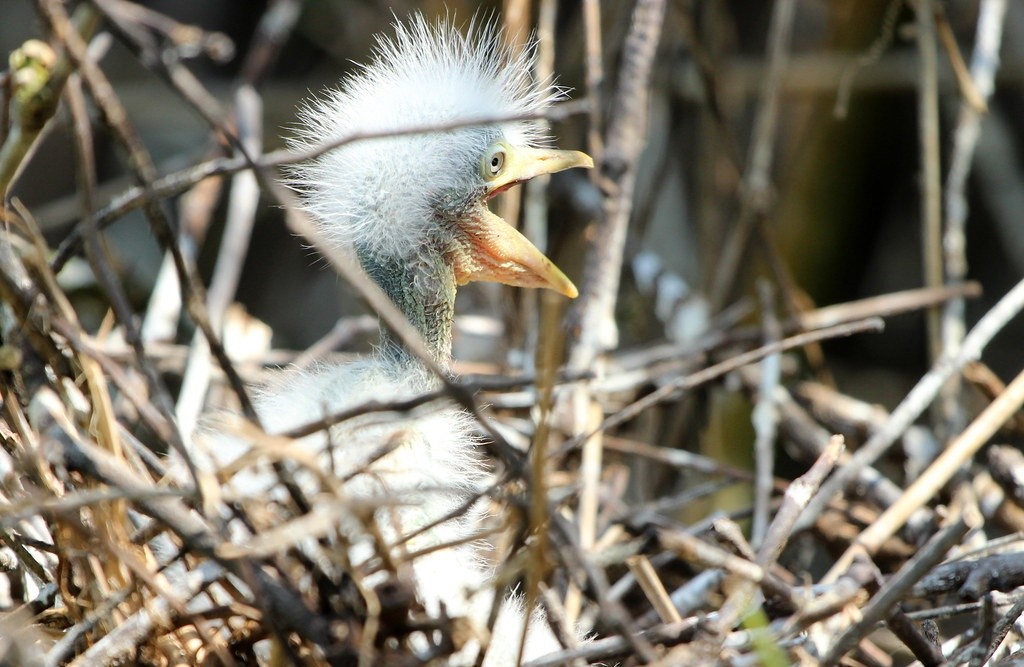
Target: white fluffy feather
column 378, row 193
column 432, row 469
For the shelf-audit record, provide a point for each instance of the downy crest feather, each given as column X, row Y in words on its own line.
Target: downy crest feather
column 374, row 194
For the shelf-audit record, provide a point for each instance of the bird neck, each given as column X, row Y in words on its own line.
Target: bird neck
column 423, row 288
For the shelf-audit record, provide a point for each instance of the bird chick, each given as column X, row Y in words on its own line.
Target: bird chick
column 412, row 207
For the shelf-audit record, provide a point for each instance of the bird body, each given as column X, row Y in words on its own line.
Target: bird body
column 413, row 209
column 420, row 470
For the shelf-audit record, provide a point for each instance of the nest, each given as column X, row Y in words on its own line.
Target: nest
column 117, row 547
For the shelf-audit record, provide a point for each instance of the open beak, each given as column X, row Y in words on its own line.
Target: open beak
column 492, row 250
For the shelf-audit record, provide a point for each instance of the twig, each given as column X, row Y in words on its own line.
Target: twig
column 957, row 453
column 179, row 181
column 884, row 305
column 733, row 363
column 984, row 64
column 655, row 591
column 595, row 311
column 275, row 27
column 1002, row 628
column 974, row 578
column 607, row 649
column 894, row 589
column 698, row 552
column 808, row 435
column 594, row 76
column 968, row 90
column 796, row 498
column 931, row 183
column 116, row 117
column 765, row 418
column 594, row 325
column 230, row 260
column 869, row 57
column 923, row 393
column 755, row 196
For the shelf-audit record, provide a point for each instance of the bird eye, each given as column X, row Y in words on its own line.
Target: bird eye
column 494, row 162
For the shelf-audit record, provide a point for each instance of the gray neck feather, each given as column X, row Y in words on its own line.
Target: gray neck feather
column 423, row 287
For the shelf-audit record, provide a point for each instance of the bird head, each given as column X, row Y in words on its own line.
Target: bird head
column 413, row 206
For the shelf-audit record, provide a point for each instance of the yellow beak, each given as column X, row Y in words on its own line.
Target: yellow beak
column 523, row 163
column 492, row 250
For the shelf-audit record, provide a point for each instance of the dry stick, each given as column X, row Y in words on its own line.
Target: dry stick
column 918, row 399
column 112, row 519
column 24, row 297
column 123, row 18
column 796, row 498
column 275, row 25
column 883, row 305
column 696, row 551
column 926, row 650
column 280, row 604
column 1001, row 629
column 871, row 324
column 653, row 588
column 595, row 311
column 115, row 116
column 990, row 385
column 108, row 533
column 99, row 260
column 535, row 199
column 681, row 459
column 871, row 56
column 179, row 181
column 596, row 330
column 544, row 357
column 812, row 439
column 928, row 485
column 13, row 512
column 931, row 183
column 895, row 589
column 549, row 352
column 195, row 212
column 594, row 76
column 599, row 650
column 965, row 85
column 756, row 180
column 582, row 570
column 658, row 357
column 984, row 63
column 234, row 245
column 166, row 63
column 765, row 418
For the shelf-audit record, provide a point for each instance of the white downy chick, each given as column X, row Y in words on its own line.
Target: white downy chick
column 413, row 209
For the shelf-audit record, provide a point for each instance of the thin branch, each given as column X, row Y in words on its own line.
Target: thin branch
column 919, row 398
